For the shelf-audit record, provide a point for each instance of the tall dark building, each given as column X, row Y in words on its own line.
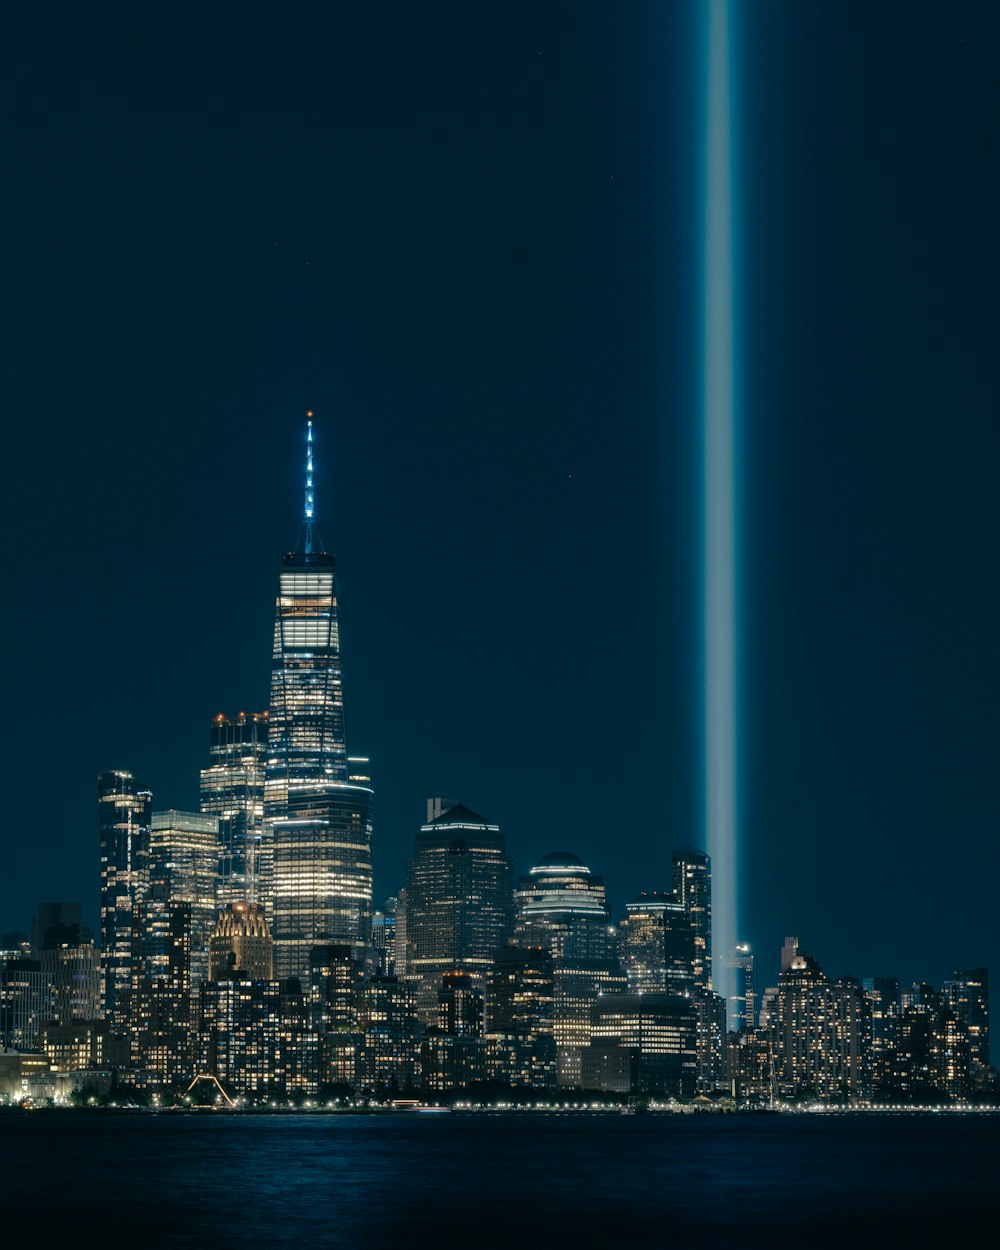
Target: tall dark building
column 458, row 902
column 232, row 788
column 742, row 1008
column 316, row 871
column 125, row 813
column 162, row 1023
column 693, row 889
column 453, row 1052
column 518, row 1025
column 70, row 963
column 968, row 996
column 643, row 1043
column 657, row 945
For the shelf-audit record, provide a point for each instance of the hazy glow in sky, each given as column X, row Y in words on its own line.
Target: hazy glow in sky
column 720, row 639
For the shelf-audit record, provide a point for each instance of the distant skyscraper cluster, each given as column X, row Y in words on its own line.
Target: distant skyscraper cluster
column 239, row 949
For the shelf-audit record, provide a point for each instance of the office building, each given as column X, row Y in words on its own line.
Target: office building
column 162, row 1028
column 692, row 871
column 322, row 878
column 23, row 1000
column 882, row 994
column 389, row 1062
column 519, row 1018
column 657, row 947
column 560, row 906
column 124, row 816
column 241, row 944
column 184, row 861
column 316, row 855
column 453, row 1052
column 642, row 1044
column 742, row 1009
column 968, row 996
column 458, row 902
column 384, row 935
column 232, row 789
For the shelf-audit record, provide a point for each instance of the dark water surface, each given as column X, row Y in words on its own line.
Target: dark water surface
column 514, row 1180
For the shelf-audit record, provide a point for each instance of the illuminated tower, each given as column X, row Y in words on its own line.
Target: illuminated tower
column 124, row 833
column 184, row 860
column 232, row 788
column 743, row 996
column 657, row 945
column 561, row 907
column 316, row 872
column 693, row 890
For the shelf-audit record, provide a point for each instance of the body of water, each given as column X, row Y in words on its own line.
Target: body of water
column 517, row 1180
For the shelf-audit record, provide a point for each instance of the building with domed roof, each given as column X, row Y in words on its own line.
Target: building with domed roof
column 560, row 906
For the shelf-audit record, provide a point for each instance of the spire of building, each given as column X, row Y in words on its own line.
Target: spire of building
column 315, row 861
column 310, row 506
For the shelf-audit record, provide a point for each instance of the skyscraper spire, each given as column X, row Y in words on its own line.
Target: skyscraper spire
column 310, row 499
column 315, row 862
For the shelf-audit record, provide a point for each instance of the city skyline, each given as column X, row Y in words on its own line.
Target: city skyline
column 507, row 398
column 307, row 757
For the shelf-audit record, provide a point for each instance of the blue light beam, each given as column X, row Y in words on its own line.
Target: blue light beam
column 719, row 537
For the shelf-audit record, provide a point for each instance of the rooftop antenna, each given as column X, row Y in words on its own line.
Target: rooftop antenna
column 310, row 500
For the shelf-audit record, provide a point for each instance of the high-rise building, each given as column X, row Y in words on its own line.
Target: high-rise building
column 968, row 996
column 561, row 907
column 316, row 870
column 124, row 813
column 520, row 1042
column 336, row 983
column 384, row 933
column 184, row 859
column 70, row 963
column 22, row 1000
column 882, row 994
column 557, row 892
column 657, row 945
column 162, row 1032
column 458, row 902
column 453, row 1052
column 642, row 1043
column 389, row 1061
column 742, row 1007
column 232, row 788
column 239, row 1035
column 64, row 918
column 322, row 883
column 816, row 1032
column 241, row 944
column 693, row 890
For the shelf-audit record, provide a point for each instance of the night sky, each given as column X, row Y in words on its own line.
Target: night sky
column 469, row 237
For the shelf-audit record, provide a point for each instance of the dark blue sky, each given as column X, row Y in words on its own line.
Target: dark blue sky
column 468, row 237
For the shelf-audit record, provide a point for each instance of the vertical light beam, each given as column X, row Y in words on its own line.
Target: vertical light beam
column 719, row 556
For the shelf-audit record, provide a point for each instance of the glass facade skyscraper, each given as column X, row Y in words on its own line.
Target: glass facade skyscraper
column 561, row 906
column 232, row 788
column 693, row 889
column 316, row 861
column 458, row 902
column 124, row 814
column 184, row 859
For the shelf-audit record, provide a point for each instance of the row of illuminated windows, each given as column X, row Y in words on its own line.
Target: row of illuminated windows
column 308, row 634
column 306, row 583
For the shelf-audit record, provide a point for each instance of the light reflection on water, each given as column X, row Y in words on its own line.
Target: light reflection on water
column 481, row 1180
